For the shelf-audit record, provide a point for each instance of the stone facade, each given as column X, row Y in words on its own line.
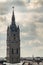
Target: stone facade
column 13, row 42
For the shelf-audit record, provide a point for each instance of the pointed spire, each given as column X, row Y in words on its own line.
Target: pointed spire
column 13, row 17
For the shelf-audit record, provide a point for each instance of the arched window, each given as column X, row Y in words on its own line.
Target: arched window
column 17, row 51
column 12, row 51
column 14, row 36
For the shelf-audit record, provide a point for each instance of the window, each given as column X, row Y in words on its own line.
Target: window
column 14, row 36
column 17, row 51
column 12, row 51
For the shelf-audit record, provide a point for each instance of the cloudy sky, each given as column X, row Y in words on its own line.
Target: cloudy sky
column 29, row 17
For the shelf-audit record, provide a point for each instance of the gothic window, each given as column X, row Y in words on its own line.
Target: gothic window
column 12, row 51
column 14, row 36
column 17, row 51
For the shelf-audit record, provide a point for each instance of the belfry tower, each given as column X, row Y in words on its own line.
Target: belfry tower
column 13, row 42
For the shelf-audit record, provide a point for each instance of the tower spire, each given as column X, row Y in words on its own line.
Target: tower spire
column 13, row 17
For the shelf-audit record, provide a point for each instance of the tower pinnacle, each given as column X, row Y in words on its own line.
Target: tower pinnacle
column 13, row 17
column 13, row 7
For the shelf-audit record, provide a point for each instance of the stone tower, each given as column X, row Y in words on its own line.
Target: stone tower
column 13, row 42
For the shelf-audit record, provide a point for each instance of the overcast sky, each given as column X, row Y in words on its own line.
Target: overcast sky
column 29, row 16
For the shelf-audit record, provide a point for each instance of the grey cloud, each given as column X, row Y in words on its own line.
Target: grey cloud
column 36, row 44
column 40, row 20
column 31, row 30
column 30, row 27
column 32, row 43
column 19, row 6
column 40, row 2
column 6, row 7
column 27, row 38
column 17, row 2
column 38, row 10
column 2, row 36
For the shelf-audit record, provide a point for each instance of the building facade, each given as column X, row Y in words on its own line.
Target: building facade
column 13, row 42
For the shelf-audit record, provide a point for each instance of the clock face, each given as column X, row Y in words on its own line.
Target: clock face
column 12, row 28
